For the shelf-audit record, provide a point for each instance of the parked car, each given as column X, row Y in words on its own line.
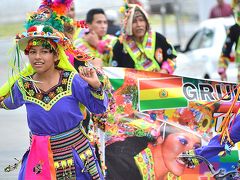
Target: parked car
column 200, row 57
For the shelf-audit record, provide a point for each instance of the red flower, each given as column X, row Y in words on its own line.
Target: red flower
column 82, row 24
column 32, row 29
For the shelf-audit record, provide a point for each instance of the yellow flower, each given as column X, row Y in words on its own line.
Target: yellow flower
column 59, row 90
column 64, row 81
column 31, row 93
column 121, row 9
column 26, row 85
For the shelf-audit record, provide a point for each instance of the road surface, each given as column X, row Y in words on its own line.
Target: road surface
column 13, row 126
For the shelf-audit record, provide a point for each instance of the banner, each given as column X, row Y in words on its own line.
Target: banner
column 167, row 115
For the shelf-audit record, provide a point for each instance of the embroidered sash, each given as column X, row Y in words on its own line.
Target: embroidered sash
column 143, row 54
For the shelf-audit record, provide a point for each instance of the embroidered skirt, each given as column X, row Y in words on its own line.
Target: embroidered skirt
column 68, row 155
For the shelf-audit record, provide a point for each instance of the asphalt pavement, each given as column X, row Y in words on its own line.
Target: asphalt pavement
column 13, row 127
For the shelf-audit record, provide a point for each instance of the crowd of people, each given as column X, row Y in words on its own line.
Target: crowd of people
column 64, row 83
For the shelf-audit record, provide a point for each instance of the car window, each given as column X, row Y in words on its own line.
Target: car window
column 201, row 39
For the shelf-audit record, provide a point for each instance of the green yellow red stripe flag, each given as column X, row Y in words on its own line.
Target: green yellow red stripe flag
column 161, row 93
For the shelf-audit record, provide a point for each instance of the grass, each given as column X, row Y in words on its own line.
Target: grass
column 11, row 29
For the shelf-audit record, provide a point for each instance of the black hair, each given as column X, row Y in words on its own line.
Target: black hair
column 47, row 46
column 92, row 12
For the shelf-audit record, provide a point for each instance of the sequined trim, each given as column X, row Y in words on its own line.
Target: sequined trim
column 48, row 99
column 3, row 105
column 144, row 161
column 97, row 95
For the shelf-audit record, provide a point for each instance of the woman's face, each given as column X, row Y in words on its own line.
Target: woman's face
column 175, row 144
column 42, row 59
column 139, row 26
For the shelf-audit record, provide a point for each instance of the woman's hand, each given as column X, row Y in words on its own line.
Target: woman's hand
column 90, row 76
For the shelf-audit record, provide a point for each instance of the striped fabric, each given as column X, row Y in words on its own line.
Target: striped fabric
column 62, row 146
column 72, row 155
column 133, row 46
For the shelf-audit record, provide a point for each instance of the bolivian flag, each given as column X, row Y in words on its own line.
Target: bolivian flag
column 161, row 93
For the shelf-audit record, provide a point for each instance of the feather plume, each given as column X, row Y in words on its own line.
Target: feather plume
column 61, row 7
column 46, row 2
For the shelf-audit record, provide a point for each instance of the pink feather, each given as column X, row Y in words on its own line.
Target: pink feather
column 46, row 2
column 61, row 7
column 67, row 3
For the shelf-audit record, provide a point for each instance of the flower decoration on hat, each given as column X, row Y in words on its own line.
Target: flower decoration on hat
column 44, row 27
column 125, row 11
column 48, row 22
column 129, row 11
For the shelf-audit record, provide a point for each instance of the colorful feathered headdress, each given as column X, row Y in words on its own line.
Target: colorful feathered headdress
column 61, row 7
column 47, row 22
